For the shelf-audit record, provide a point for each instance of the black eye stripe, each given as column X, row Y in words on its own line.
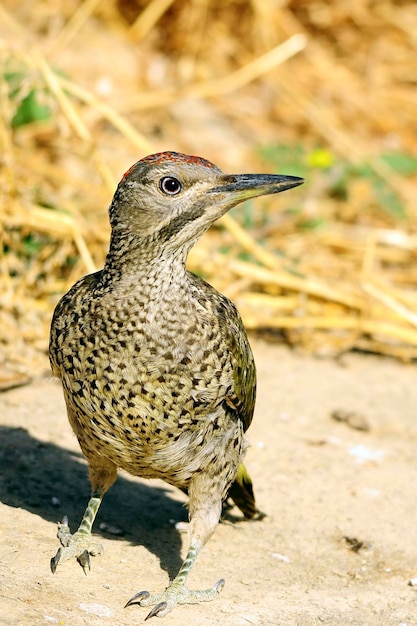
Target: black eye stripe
column 170, row 185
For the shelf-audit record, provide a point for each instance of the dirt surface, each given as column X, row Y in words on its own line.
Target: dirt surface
column 338, row 546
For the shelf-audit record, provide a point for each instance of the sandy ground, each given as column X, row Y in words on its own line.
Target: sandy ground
column 339, row 544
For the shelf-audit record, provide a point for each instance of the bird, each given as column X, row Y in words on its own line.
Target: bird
column 156, row 369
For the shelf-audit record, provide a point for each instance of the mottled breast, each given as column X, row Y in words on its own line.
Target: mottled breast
column 141, row 376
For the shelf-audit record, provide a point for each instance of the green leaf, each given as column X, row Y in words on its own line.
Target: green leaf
column 30, row 110
column 389, row 199
column 32, row 245
column 402, row 163
column 313, row 223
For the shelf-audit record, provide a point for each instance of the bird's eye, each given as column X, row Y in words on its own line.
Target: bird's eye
column 170, row 185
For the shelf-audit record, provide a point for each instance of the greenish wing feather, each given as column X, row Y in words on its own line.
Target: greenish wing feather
column 241, row 492
column 242, row 399
column 65, row 314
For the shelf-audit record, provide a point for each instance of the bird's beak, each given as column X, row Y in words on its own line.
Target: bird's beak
column 226, row 191
column 237, row 188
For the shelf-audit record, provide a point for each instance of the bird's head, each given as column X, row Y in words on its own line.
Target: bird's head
column 170, row 199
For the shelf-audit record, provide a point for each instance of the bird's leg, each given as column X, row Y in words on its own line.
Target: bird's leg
column 177, row 592
column 204, row 517
column 80, row 545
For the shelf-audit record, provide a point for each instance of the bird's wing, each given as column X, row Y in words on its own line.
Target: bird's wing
column 241, row 399
column 66, row 318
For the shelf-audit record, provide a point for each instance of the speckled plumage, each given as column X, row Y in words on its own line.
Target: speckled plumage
column 157, row 372
column 154, row 391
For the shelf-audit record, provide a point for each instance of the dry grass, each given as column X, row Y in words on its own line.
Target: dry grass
column 330, row 265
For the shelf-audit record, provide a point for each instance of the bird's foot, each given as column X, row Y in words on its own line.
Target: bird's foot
column 174, row 594
column 78, row 545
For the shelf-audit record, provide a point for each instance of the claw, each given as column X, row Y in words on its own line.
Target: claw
column 137, row 598
column 85, row 561
column 55, row 560
column 176, row 593
column 78, row 545
column 159, row 608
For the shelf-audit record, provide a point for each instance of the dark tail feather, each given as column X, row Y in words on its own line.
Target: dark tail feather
column 241, row 492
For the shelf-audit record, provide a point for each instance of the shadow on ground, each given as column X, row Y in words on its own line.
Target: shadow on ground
column 51, row 482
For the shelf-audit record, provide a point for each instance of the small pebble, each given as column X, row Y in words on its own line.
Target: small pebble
column 351, row 418
column 96, row 609
column 112, row 530
column 280, row 557
column 371, row 493
column 363, row 454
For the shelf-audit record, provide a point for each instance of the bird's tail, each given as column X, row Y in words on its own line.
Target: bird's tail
column 241, row 492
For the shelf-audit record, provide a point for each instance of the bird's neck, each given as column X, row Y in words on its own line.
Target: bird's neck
column 134, row 264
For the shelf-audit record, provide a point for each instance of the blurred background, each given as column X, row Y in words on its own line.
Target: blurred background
column 324, row 89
